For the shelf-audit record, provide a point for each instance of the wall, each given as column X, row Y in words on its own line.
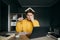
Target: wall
column 55, row 15
column 0, row 15
column 4, row 17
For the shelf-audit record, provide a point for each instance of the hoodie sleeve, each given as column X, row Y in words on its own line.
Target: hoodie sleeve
column 36, row 23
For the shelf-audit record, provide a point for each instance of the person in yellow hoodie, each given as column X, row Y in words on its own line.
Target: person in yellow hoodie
column 27, row 24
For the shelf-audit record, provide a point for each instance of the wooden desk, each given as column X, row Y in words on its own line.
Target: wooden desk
column 23, row 37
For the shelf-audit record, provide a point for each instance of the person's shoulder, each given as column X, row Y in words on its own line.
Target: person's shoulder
column 18, row 21
column 25, row 20
column 35, row 20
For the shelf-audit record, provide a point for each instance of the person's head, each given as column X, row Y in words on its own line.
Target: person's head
column 29, row 14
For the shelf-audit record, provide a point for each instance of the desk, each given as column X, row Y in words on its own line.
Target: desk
column 22, row 37
column 12, row 37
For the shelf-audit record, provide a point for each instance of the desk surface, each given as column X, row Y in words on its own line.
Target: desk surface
column 22, row 37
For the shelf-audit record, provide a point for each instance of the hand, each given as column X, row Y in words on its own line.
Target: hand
column 32, row 18
column 20, row 19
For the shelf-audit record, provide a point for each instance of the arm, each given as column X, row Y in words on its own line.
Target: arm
column 18, row 27
column 35, row 23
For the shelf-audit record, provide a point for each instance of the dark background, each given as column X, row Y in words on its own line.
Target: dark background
column 47, row 16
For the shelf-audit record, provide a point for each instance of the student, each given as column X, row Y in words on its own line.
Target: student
column 27, row 24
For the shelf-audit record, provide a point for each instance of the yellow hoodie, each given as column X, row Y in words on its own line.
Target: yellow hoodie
column 26, row 25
